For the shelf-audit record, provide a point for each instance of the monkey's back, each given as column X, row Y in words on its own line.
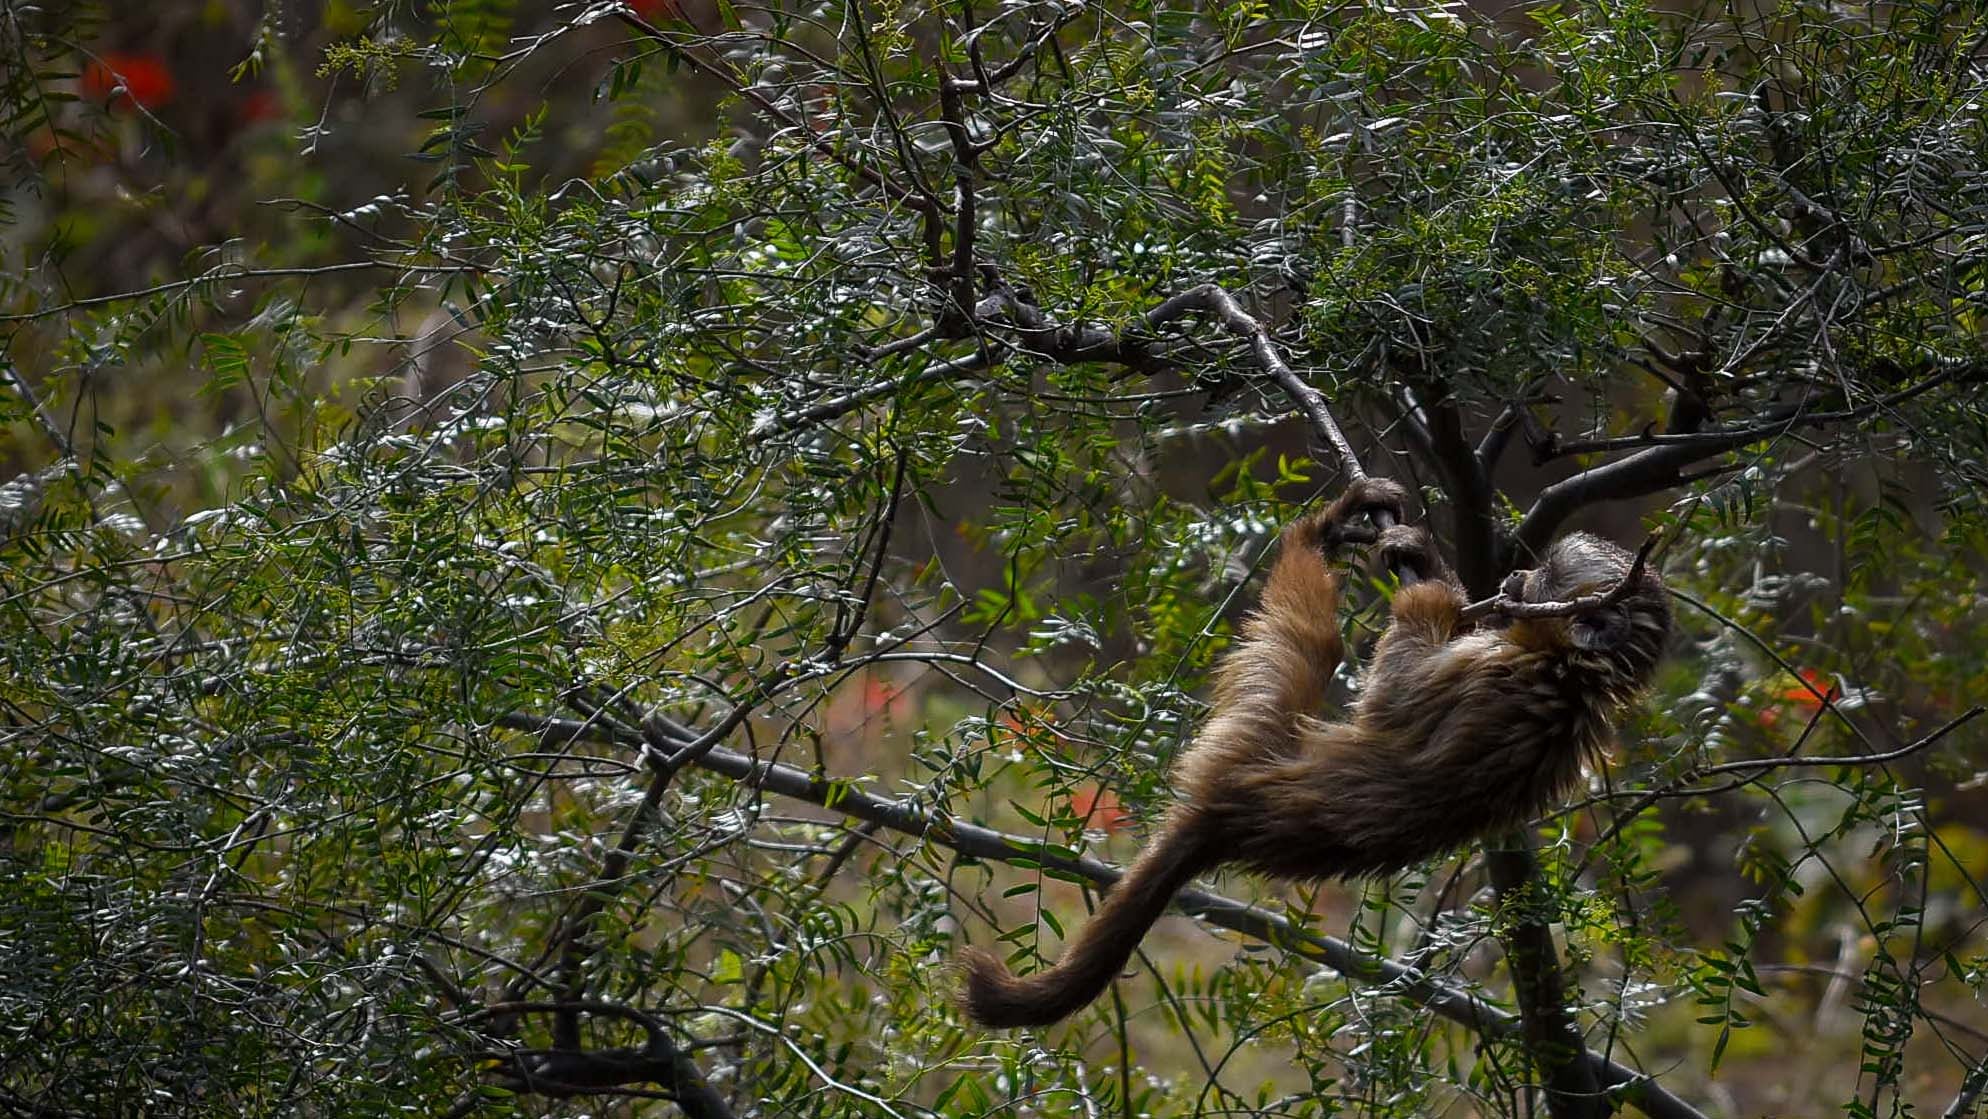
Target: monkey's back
column 1501, row 741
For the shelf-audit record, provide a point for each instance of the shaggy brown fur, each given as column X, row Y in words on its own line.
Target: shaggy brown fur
column 1460, row 732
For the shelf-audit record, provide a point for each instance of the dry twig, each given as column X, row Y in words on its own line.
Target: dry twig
column 1505, row 605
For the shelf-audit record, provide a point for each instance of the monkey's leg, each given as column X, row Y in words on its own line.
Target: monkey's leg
column 1409, row 664
column 1290, row 645
column 1276, row 673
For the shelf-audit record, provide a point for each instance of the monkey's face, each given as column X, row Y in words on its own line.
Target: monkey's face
column 1624, row 640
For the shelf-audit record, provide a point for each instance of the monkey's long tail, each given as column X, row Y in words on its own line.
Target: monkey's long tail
column 996, row 998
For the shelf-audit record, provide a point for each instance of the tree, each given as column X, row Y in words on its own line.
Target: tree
column 812, row 560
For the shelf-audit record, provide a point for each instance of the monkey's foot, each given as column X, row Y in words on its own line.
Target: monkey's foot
column 1409, row 549
column 1350, row 519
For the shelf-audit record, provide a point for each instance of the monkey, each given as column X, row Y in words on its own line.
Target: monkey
column 1460, row 731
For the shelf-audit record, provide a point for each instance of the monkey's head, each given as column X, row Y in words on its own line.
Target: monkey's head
column 1621, row 643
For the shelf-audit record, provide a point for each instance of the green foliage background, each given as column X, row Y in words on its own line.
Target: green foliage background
column 618, row 365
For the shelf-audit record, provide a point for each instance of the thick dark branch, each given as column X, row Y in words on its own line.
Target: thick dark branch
column 1641, row 474
column 1479, row 550
column 1551, row 1031
column 1660, row 465
column 1574, row 1079
column 570, row 1070
column 1449, row 1001
column 959, row 281
column 1553, row 1042
column 986, row 80
column 1491, row 448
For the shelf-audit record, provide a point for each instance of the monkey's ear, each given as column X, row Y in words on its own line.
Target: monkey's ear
column 1599, row 629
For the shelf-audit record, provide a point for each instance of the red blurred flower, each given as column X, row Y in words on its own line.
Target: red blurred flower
column 142, row 77
column 260, row 105
column 1098, row 807
column 651, row 9
column 883, row 696
column 1814, row 690
column 1817, row 690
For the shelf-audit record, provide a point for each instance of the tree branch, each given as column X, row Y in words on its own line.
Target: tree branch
column 1641, row 474
column 570, row 1070
column 1394, row 978
column 1660, row 465
column 1072, row 343
column 1777, row 421
column 1971, row 1088
column 1214, row 299
column 1552, row 1034
column 918, row 199
column 1491, row 448
column 1755, row 765
column 1480, row 551
column 1552, row 1037
column 986, row 80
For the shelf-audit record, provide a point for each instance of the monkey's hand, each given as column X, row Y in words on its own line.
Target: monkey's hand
column 1409, row 549
column 1349, row 520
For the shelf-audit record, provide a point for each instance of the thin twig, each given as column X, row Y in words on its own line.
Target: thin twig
column 918, row 199
column 1755, row 768
column 229, row 272
column 1072, row 343
column 1779, row 421
column 1749, row 765
column 1971, row 1088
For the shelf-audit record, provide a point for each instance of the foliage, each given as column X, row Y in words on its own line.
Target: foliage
column 400, row 590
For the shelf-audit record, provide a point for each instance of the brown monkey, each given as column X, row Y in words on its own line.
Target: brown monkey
column 1459, row 732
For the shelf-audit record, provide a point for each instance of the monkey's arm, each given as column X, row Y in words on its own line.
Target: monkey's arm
column 1290, row 647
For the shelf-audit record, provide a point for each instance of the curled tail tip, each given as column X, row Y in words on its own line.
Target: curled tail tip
column 983, row 980
column 995, row 998
column 991, row 996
